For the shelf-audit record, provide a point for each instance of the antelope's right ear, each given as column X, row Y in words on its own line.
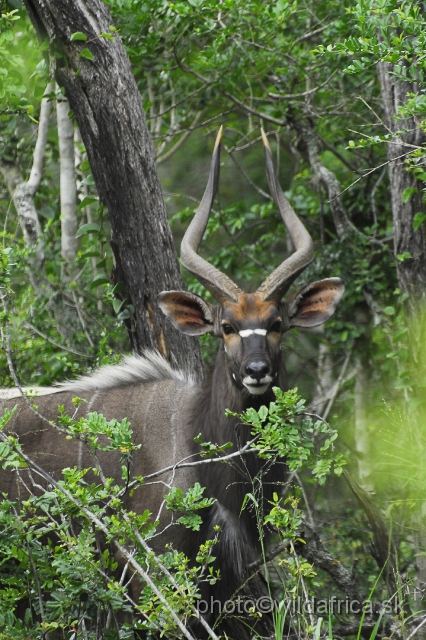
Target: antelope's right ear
column 187, row 312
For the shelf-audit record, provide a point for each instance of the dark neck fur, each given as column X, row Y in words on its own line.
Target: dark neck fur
column 228, row 483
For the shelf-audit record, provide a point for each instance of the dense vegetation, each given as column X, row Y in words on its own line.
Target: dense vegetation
column 339, row 87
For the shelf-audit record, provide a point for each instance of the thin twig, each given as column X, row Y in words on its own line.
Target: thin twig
column 208, row 83
column 413, row 633
column 171, row 578
column 101, row 526
column 82, row 320
column 31, row 327
column 179, row 102
column 337, row 385
column 305, row 591
column 182, row 464
column 241, row 170
column 398, row 141
column 39, row 591
column 272, row 553
column 338, row 155
column 303, row 94
column 305, row 498
column 165, row 156
column 311, row 34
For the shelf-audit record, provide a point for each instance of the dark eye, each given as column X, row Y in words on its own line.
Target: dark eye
column 275, row 326
column 227, row 329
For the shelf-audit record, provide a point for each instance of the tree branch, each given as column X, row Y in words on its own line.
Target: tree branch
column 67, row 179
column 31, row 327
column 303, row 94
column 165, row 156
column 22, row 193
column 40, row 147
column 310, row 144
column 315, row 552
column 101, row 527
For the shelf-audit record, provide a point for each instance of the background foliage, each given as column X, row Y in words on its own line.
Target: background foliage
column 308, row 73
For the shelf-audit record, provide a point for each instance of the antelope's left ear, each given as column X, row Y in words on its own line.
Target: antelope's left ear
column 189, row 313
column 315, row 303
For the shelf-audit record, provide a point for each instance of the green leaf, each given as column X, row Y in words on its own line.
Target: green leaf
column 407, row 193
column 90, row 254
column 86, row 53
column 8, row 35
column 404, row 256
column 191, row 521
column 90, row 227
column 78, row 35
column 263, row 412
column 85, row 165
column 98, row 281
column 117, row 304
column 87, row 201
column 118, row 287
column 418, row 219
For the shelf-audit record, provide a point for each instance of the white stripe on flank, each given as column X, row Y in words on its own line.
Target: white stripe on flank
column 245, row 333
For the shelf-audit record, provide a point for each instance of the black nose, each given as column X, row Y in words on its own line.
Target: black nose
column 257, row 370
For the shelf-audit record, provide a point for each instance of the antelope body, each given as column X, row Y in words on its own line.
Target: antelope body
column 167, row 409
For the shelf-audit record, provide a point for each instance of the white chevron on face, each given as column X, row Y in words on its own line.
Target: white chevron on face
column 245, row 333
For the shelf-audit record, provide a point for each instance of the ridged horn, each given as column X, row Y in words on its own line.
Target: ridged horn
column 279, row 281
column 220, row 286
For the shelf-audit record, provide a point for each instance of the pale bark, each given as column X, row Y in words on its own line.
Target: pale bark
column 23, row 199
column 72, row 316
column 23, row 193
column 40, row 147
column 68, row 196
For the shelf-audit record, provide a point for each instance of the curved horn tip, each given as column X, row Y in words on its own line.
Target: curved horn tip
column 218, row 138
column 265, row 140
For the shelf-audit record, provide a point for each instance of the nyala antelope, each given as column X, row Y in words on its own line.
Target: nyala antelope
column 167, row 409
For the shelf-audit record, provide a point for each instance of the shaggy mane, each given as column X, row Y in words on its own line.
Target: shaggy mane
column 150, row 367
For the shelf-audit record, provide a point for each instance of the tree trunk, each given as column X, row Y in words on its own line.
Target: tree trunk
column 23, row 194
column 411, row 271
column 69, row 225
column 104, row 97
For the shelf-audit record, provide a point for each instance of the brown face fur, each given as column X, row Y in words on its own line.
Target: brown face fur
column 251, row 327
column 252, row 330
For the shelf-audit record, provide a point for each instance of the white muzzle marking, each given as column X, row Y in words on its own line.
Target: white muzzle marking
column 257, row 388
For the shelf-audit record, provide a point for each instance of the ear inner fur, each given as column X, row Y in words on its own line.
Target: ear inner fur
column 315, row 303
column 188, row 312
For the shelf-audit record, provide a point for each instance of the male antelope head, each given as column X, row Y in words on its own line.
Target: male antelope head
column 250, row 324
